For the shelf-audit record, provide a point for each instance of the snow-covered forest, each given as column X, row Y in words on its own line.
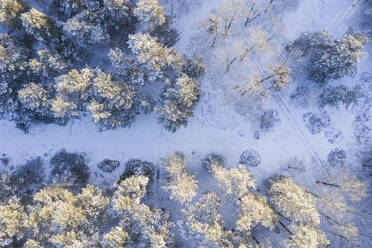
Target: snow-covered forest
column 186, row 123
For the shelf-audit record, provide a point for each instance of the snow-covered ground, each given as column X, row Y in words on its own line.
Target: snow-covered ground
column 216, row 126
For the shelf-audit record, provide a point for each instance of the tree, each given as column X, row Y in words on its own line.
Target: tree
column 114, row 103
column 39, row 25
column 59, row 218
column 293, row 202
column 11, row 226
column 298, row 206
column 213, row 160
column 177, row 102
column 254, row 210
column 202, row 222
column 185, row 91
column 34, row 97
column 67, row 8
column 330, row 58
column 75, row 85
column 146, row 227
column 260, row 87
column 239, row 49
column 236, row 181
column 340, row 59
column 307, row 236
column 86, row 29
column 180, row 184
column 337, row 194
column 10, row 10
column 173, row 115
column 48, row 65
column 63, row 109
column 158, row 59
column 118, row 8
column 69, row 170
column 12, row 68
column 333, row 96
column 150, row 13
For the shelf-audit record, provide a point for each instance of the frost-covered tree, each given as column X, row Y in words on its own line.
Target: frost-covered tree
column 146, row 227
column 11, row 221
column 136, row 167
column 330, row 58
column 338, row 195
column 293, row 202
column 54, row 52
column 118, row 8
column 39, row 25
column 259, row 87
column 150, row 13
column 339, row 60
column 333, row 96
column 172, row 115
column 57, row 217
column 178, row 102
column 86, row 29
column 185, row 91
column 202, row 222
column 180, row 183
column 300, row 207
column 254, row 210
column 111, row 103
column 238, row 50
column 63, row 109
column 114, row 103
column 236, row 181
column 12, row 70
column 232, row 14
column 68, row 8
column 48, row 65
column 35, row 98
column 158, row 59
column 213, row 160
column 307, row 236
column 10, row 10
column 69, row 170
column 75, row 85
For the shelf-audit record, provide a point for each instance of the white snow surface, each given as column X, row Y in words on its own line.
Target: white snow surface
column 220, row 123
column 216, row 126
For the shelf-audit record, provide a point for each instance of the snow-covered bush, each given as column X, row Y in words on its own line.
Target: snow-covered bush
column 136, row 167
column 250, row 157
column 333, row 96
column 333, row 136
column 212, row 160
column 108, row 165
column 69, row 169
column 269, row 120
column 316, row 122
column 337, row 157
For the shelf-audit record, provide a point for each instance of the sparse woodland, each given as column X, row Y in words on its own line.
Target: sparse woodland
column 112, row 62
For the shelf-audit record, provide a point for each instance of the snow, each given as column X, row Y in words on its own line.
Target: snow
column 216, row 127
column 219, row 124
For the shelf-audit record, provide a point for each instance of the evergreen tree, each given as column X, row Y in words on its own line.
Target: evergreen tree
column 180, row 183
